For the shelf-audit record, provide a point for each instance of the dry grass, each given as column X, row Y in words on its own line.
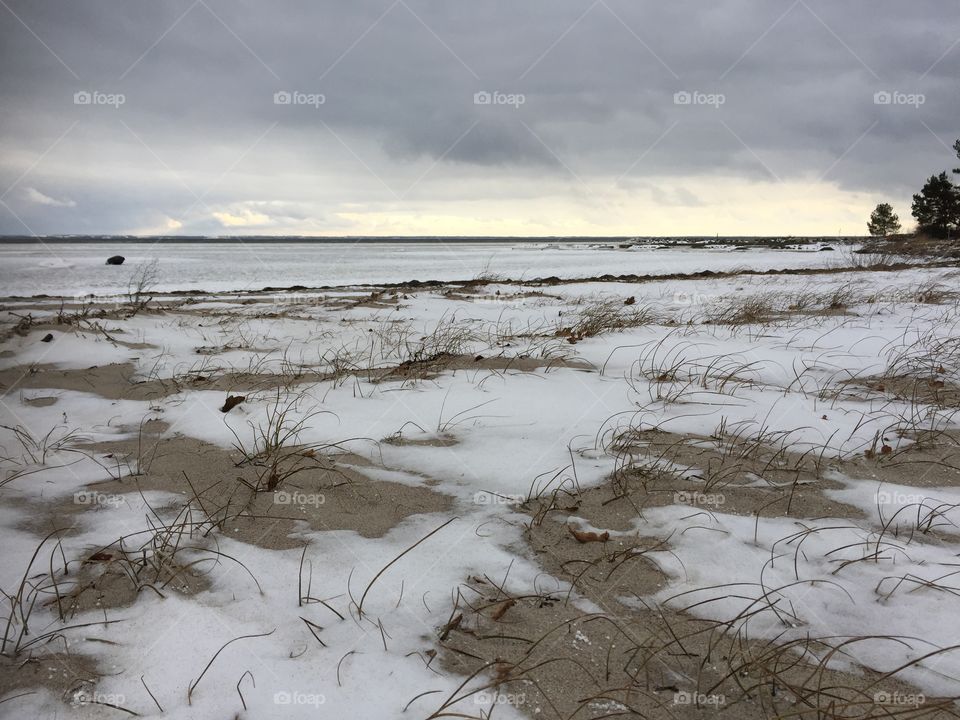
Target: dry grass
column 646, row 658
column 756, row 309
column 600, row 316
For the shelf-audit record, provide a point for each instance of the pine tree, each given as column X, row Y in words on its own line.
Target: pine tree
column 883, row 221
column 937, row 206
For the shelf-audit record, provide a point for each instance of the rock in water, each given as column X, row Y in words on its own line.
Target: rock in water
column 116, row 260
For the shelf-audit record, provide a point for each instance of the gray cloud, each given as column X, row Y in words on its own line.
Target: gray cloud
column 398, row 119
column 35, row 196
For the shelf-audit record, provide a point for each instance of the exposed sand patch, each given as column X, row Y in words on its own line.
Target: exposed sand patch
column 117, row 381
column 400, row 440
column 107, row 579
column 112, row 382
column 623, row 655
column 936, row 390
column 46, row 401
column 332, row 494
column 435, row 366
column 729, row 474
column 931, row 460
column 63, row 675
column 549, row 659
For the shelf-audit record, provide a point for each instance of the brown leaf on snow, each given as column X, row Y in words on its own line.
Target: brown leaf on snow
column 586, row 536
column 503, row 672
column 502, row 608
column 231, row 402
column 451, row 626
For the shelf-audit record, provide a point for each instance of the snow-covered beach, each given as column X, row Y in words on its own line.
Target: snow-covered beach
column 578, row 498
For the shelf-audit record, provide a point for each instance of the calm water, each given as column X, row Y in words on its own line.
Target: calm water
column 77, row 269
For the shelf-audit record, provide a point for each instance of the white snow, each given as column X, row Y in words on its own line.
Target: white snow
column 505, row 434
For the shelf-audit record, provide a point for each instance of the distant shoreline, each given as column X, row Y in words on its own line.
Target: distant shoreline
column 774, row 240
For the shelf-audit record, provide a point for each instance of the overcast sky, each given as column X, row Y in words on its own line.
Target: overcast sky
column 501, row 117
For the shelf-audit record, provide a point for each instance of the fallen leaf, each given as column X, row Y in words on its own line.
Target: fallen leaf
column 450, row 626
column 231, row 402
column 585, row 536
column 502, row 608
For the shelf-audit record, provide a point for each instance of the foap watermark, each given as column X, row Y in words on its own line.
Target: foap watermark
column 285, row 299
column 507, row 301
column 282, row 497
column 913, row 700
column 89, row 497
column 86, row 696
column 686, row 97
column 295, row 97
column 894, row 97
column 95, row 97
column 687, row 497
column 104, row 301
column 699, row 699
column 490, row 498
column 496, row 97
column 487, row 698
column 298, row 698
column 687, row 299
column 894, row 497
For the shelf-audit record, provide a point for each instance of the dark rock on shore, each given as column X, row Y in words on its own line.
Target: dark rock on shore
column 231, row 402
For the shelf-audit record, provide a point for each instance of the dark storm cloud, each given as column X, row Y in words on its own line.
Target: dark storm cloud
column 596, row 83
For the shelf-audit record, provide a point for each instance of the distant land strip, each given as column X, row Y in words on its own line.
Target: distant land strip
column 224, row 239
